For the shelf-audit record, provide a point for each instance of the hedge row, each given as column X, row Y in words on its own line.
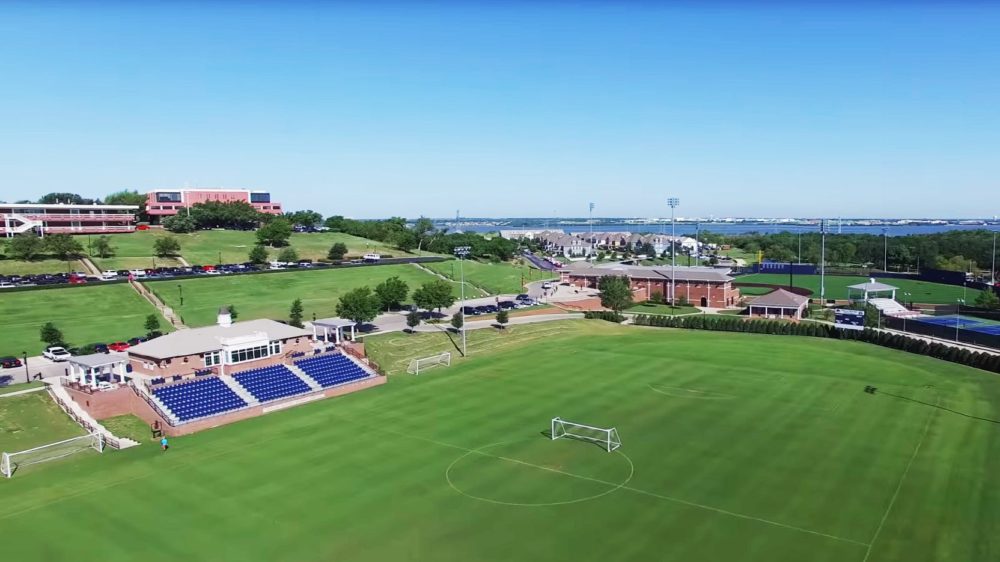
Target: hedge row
column 979, row 360
column 608, row 315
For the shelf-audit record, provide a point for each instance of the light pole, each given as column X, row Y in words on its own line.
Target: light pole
column 822, row 263
column 180, row 289
column 590, row 220
column 462, row 252
column 958, row 314
column 904, row 306
column 24, row 357
column 993, row 268
column 885, row 249
column 800, row 246
column 673, row 202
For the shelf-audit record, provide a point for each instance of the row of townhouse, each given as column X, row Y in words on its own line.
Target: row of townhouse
column 585, row 244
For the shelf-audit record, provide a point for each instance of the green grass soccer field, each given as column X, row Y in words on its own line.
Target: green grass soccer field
column 735, row 447
column 90, row 314
column 494, row 278
column 319, row 290
column 836, row 287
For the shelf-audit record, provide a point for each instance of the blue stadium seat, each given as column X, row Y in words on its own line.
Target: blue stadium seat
column 199, row 398
column 332, row 370
column 271, row 383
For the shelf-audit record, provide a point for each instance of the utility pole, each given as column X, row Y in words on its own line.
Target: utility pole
column 993, row 268
column 590, row 220
column 800, row 246
column 822, row 262
column 673, row 202
column 697, row 241
column 462, row 252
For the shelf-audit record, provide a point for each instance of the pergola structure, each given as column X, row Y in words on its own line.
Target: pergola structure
column 779, row 303
column 92, row 370
column 334, row 326
column 871, row 290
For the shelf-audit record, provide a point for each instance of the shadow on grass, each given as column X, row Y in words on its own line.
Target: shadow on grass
column 939, row 407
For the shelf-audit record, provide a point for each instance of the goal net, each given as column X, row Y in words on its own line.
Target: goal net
column 11, row 462
column 605, row 437
column 418, row 365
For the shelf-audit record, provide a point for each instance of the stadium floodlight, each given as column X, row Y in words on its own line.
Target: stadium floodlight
column 462, row 252
column 822, row 263
column 606, row 437
column 958, row 316
column 673, row 202
column 11, row 462
column 885, row 248
column 424, row 363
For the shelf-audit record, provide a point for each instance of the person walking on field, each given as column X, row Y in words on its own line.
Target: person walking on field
column 163, row 443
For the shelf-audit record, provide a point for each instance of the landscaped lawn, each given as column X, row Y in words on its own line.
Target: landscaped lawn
column 128, row 426
column 33, row 419
column 495, row 278
column 15, row 267
column 836, row 287
column 227, row 246
column 270, row 295
column 734, row 447
column 88, row 314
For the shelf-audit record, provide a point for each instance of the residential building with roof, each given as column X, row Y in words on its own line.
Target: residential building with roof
column 66, row 218
column 699, row 286
column 168, row 202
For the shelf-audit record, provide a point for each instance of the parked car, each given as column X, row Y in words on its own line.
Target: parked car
column 9, row 362
column 109, row 275
column 469, row 311
column 75, row 279
column 480, row 310
column 137, row 272
column 548, row 285
column 136, row 341
column 100, row 347
column 7, row 285
column 507, row 305
column 491, row 309
column 56, row 353
column 118, row 346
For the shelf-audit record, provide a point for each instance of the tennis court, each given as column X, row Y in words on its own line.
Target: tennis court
column 981, row 325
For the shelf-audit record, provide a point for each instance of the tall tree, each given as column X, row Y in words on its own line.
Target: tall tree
column 152, row 325
column 288, row 255
column 275, row 233
column 25, row 247
column 233, row 314
column 102, row 247
column 126, row 197
column 616, row 293
column 337, row 251
column 392, row 292
column 304, row 218
column 458, row 320
column 166, row 246
column 180, row 223
column 988, row 299
column 295, row 313
column 258, row 255
column 359, row 305
column 53, row 198
column 434, row 294
column 63, row 246
column 238, row 215
column 50, row 334
column 502, row 318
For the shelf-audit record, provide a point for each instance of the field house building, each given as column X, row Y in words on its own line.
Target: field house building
column 65, row 218
column 779, row 303
column 699, row 286
column 169, row 202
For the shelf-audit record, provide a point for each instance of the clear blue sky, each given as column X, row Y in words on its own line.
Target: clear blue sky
column 511, row 109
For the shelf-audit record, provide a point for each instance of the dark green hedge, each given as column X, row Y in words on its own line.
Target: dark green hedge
column 608, row 315
column 721, row 323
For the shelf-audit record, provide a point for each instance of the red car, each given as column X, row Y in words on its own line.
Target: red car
column 9, row 362
column 118, row 346
column 77, row 279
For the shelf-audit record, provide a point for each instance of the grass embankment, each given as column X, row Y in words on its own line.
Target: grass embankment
column 89, row 314
column 270, row 295
column 735, row 447
column 18, row 387
column 836, row 287
column 129, row 426
column 33, row 419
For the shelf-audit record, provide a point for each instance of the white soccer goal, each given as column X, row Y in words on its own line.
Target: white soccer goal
column 10, row 462
column 417, row 365
column 606, row 437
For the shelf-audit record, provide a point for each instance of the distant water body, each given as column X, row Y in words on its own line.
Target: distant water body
column 735, row 228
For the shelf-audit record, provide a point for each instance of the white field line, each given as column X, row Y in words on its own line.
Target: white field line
column 617, row 485
column 899, row 486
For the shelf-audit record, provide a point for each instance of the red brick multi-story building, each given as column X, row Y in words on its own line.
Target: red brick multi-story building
column 65, row 218
column 699, row 286
column 168, row 202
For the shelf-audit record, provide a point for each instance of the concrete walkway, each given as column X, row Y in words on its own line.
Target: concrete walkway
column 25, row 391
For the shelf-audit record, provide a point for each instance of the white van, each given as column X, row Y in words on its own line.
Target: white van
column 110, row 275
column 137, row 272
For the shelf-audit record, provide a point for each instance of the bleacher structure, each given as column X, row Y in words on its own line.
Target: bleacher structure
column 199, row 398
column 271, row 383
column 211, row 396
column 890, row 307
column 332, row 370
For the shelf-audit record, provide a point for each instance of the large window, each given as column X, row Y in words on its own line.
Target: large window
column 168, row 197
column 248, row 354
column 260, row 197
column 213, row 358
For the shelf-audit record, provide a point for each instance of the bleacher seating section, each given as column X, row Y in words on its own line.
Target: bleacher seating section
column 889, row 307
column 331, row 370
column 271, row 383
column 199, row 398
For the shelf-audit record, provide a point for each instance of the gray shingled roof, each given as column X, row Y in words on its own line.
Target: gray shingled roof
column 650, row 272
column 780, row 298
column 203, row 340
column 873, row 286
column 98, row 359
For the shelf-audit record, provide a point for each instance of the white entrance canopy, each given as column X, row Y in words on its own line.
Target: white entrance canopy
column 326, row 326
column 86, row 369
column 871, row 289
